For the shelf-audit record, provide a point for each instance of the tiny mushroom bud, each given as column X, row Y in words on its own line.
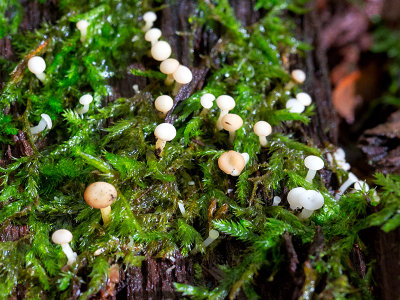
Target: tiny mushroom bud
column 164, row 104
column 37, row 65
column 182, row 76
column 82, row 26
column 294, row 197
column 231, row 162
column 152, row 35
column 276, row 201
column 225, row 104
column 85, row 100
column 262, row 129
column 294, row 106
column 304, row 99
column 45, row 121
column 161, row 51
column 168, row 67
column 298, row 76
column 313, row 164
column 231, row 123
column 101, row 195
column 164, row 132
column 351, row 180
column 63, row 237
column 206, row 101
column 212, row 236
column 149, row 17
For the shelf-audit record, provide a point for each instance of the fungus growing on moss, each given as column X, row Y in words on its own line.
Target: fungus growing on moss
column 182, row 208
column 231, row 163
column 361, row 185
column 37, row 65
column 304, row 98
column 82, row 26
column 164, row 133
column 85, row 100
column 163, row 104
column 276, row 200
column 149, row 18
column 44, row 122
column 298, row 76
column 168, row 67
column 310, row 201
column 212, row 236
column 262, row 129
column 161, row 51
column 231, row 123
column 182, row 76
column 294, row 106
column 350, row 180
column 294, row 197
column 101, row 195
column 225, row 104
column 339, row 156
column 152, row 35
column 207, row 101
column 62, row 237
column 313, row 164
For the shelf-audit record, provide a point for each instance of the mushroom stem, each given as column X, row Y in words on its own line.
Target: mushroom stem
column 205, row 111
column 83, row 34
column 232, row 135
column 177, row 88
column 310, row 175
column 106, row 214
column 160, row 144
column 182, row 208
column 71, row 255
column 41, row 77
column 39, row 128
column 352, row 179
column 305, row 214
column 169, row 80
column 212, row 236
column 263, row 141
column 219, row 121
column 83, row 110
column 290, row 85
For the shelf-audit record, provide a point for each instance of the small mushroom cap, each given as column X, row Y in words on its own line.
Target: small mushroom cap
column 169, row 66
column 165, row 132
column 164, row 103
column 312, row 200
column 149, row 16
column 61, row 236
column 294, row 196
column 313, row 162
column 304, row 98
column 100, row 194
column 36, row 65
column 298, row 75
column 232, row 122
column 47, row 119
column 231, row 162
column 294, row 106
column 82, row 24
column 86, row 99
column 225, row 102
column 262, row 128
column 361, row 186
column 207, row 100
column 213, row 234
column 246, row 157
column 183, row 75
column 161, row 51
column 152, row 34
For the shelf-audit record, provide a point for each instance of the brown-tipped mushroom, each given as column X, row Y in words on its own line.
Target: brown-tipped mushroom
column 231, row 123
column 101, row 195
column 231, row 163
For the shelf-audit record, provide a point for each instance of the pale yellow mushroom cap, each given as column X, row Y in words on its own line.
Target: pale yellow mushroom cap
column 232, row 122
column 36, row 65
column 183, row 75
column 262, row 128
column 225, row 102
column 231, row 163
column 304, row 98
column 82, row 24
column 207, row 100
column 61, row 236
column 298, row 75
column 149, row 16
column 165, row 132
column 152, row 35
column 169, row 66
column 161, row 51
column 294, row 106
column 100, row 194
column 164, row 103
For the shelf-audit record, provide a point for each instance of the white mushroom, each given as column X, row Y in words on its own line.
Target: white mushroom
column 350, row 180
column 206, row 101
column 44, row 122
column 360, row 185
column 182, row 208
column 339, row 156
column 212, row 236
column 294, row 197
column 161, row 51
column 311, row 200
column 82, row 26
column 225, row 104
column 276, row 201
column 163, row 104
column 231, row 123
column 152, row 35
column 304, row 99
column 101, row 195
column 294, row 106
column 85, row 100
column 262, row 129
column 313, row 164
column 246, row 157
column 298, row 76
column 62, row 237
column 164, row 133
column 37, row 65
column 168, row 67
column 182, row 76
column 149, row 17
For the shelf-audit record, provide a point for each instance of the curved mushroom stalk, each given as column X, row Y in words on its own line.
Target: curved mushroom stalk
column 44, row 122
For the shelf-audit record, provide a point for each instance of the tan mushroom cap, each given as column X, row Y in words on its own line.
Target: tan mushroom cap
column 161, row 51
column 61, row 236
column 183, row 75
column 262, row 128
column 232, row 122
column 100, row 194
column 164, row 103
column 169, row 66
column 298, row 75
column 231, row 163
